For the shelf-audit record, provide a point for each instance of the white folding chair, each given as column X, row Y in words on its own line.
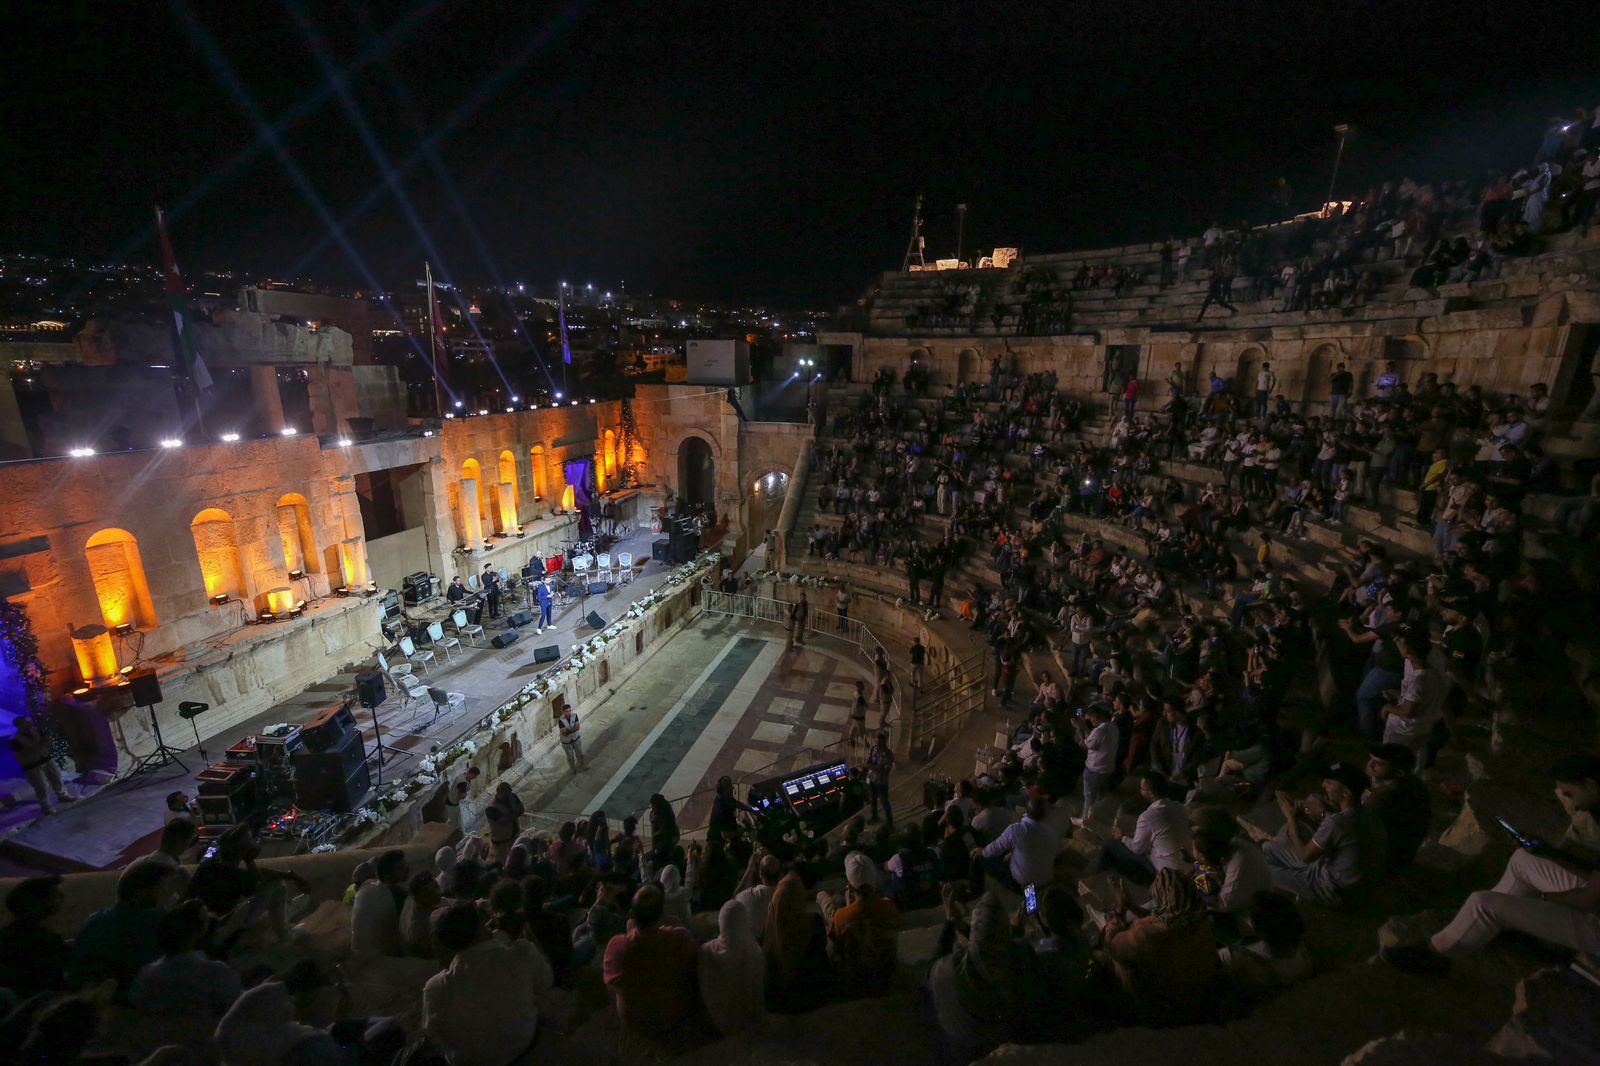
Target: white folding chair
column 449, row 645
column 472, row 582
column 393, row 669
column 625, row 565
column 413, row 687
column 602, row 566
column 580, row 568
column 415, row 654
column 464, row 628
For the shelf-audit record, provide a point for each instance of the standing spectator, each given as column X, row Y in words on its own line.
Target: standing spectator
column 1341, row 383
column 571, row 739
column 1266, row 382
column 919, row 656
column 1100, row 738
column 650, row 970
column 880, row 764
column 1130, row 396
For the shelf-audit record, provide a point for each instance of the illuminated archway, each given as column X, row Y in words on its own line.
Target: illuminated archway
column 697, row 472
column 611, row 453
column 294, row 530
column 540, row 475
column 470, row 503
column 119, row 580
column 507, row 498
column 218, row 551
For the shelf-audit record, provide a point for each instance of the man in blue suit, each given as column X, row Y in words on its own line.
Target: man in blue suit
column 546, row 601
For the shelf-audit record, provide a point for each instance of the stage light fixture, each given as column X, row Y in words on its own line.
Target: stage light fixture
column 458, row 403
column 230, row 437
column 122, row 630
column 287, row 431
column 296, row 575
column 344, row 442
column 172, row 442
column 484, row 411
column 428, row 432
column 220, row 598
column 81, row 453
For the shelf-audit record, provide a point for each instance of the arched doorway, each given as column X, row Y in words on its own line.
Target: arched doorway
column 766, row 504
column 1319, row 368
column 969, row 365
column 1244, row 374
column 697, row 472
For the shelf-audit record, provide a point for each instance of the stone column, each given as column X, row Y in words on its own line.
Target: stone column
column 268, row 401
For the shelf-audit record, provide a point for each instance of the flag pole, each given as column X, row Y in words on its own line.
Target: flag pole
column 184, row 382
column 433, row 336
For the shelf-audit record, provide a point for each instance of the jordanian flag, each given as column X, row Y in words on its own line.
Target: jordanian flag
column 189, row 364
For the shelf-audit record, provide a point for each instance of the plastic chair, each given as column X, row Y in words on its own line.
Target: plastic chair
column 445, row 703
column 472, row 582
column 602, row 566
column 580, row 568
column 625, row 565
column 415, row 654
column 394, row 670
column 413, row 687
column 466, row 629
column 448, row 645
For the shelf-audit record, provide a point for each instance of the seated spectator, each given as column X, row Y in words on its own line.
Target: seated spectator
column 1278, row 956
column 862, row 930
column 980, row 992
column 33, row 957
column 1024, row 853
column 117, row 942
column 260, row 1029
column 183, row 995
column 1166, row 961
column 675, row 898
column 650, row 971
column 795, row 941
column 551, row 931
column 732, row 972
column 1549, row 900
column 1231, row 868
column 769, row 871
column 913, row 872
column 1159, row 838
column 1344, row 851
column 416, row 916
column 248, row 901
column 1400, row 799
column 375, row 917
column 482, row 1009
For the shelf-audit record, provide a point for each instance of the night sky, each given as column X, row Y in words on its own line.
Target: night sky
column 758, row 151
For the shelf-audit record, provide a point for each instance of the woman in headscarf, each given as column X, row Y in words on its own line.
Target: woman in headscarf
column 1166, row 960
column 676, row 909
column 518, row 863
column 980, row 991
column 796, row 944
column 663, row 829
column 733, row 972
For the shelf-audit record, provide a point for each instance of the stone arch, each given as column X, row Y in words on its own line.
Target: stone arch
column 216, row 544
column 469, row 499
column 697, row 471
column 969, row 365
column 294, row 531
column 1244, row 372
column 610, row 453
column 506, row 497
column 119, row 579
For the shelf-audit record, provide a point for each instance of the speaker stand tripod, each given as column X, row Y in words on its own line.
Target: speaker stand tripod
column 164, row 755
column 382, row 750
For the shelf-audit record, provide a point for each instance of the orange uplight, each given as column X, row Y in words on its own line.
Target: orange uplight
column 568, row 499
column 97, row 659
column 280, row 600
column 507, row 500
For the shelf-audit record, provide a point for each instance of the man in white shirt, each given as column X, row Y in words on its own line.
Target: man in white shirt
column 375, row 916
column 769, row 871
column 1100, row 738
column 995, row 816
column 1159, row 837
column 1266, row 381
column 1410, row 720
column 483, row 1009
column 1025, row 853
column 571, row 740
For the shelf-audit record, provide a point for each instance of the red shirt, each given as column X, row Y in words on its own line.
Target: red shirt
column 652, row 975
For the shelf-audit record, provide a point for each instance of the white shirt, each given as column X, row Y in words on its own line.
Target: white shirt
column 1427, row 690
column 1265, row 379
column 1032, row 846
column 1246, row 874
column 992, row 821
column 755, row 900
column 375, row 921
column 484, row 1008
column 1162, row 833
column 1101, row 744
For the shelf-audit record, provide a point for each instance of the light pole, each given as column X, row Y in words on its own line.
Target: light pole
column 961, row 226
column 1343, row 129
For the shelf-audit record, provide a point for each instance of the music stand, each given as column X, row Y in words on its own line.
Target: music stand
column 164, row 755
column 189, row 710
column 377, row 739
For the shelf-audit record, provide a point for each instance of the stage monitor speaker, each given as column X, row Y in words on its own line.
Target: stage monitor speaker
column 146, row 688
column 661, row 550
column 504, row 639
column 599, row 588
column 547, row 654
column 517, row 619
column 320, row 787
column 596, row 621
column 369, row 687
column 338, row 761
column 328, row 729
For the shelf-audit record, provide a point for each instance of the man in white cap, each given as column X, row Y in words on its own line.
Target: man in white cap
column 862, row 932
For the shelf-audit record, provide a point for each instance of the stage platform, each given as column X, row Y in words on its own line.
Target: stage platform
column 112, row 824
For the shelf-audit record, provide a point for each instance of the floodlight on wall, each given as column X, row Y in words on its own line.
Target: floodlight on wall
column 296, row 575
column 230, row 437
column 122, row 630
column 287, row 431
column 516, row 399
column 450, row 414
column 344, row 442
column 429, row 432
column 220, row 598
column 298, row 609
column 483, row 411
column 558, row 395
column 510, row 409
column 458, row 403
column 172, row 442
column 81, row 453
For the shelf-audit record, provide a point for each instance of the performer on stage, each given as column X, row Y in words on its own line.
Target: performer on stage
column 546, row 603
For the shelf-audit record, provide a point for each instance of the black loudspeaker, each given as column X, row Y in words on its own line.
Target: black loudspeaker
column 547, row 654
column 661, row 550
column 599, row 588
column 596, row 621
column 520, row 618
column 146, row 688
column 504, row 639
column 336, row 779
column 369, row 687
column 330, row 728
